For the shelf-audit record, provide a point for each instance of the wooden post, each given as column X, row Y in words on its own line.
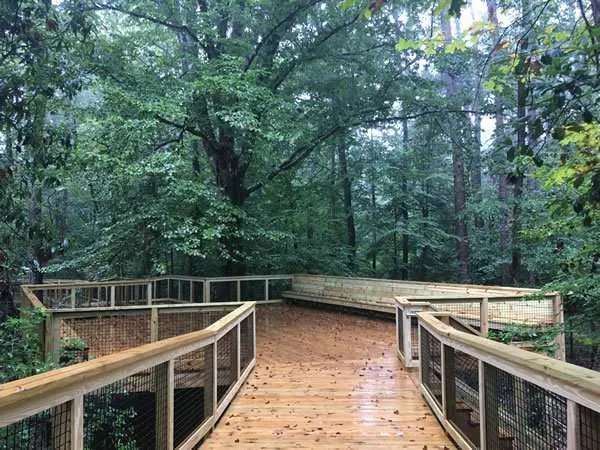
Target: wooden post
column 179, row 291
column 482, row 403
column 73, row 304
column 112, row 295
column 191, row 291
column 154, row 325
column 168, row 289
column 215, row 382
column 398, row 337
column 407, row 328
column 449, row 382
column 149, row 293
column 254, row 334
column 76, row 425
column 206, row 291
column 573, row 425
column 51, row 338
column 420, row 359
column 267, row 289
column 484, row 324
column 238, row 291
column 164, row 385
column 559, row 319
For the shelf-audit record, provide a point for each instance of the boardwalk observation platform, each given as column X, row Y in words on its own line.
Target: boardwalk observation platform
column 182, row 362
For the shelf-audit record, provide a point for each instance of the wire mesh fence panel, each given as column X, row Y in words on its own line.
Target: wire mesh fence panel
column 278, row 287
column 414, row 337
column 246, row 342
column 466, row 370
column 134, row 294
column 580, row 351
column 174, row 323
column 223, row 291
column 123, row 414
column 589, row 429
column 226, row 357
column 468, row 312
column 184, row 291
column 431, row 363
column 49, row 429
column 521, row 311
column 193, row 392
column 197, row 291
column 252, row 290
column 99, row 336
column 160, row 290
column 521, row 414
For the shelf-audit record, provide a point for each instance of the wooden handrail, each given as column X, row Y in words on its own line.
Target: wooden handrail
column 22, row 398
column 572, row 382
column 423, row 300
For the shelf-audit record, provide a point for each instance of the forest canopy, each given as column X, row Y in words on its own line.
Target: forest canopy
column 424, row 140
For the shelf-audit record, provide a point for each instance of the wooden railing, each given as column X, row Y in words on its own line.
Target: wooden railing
column 164, row 395
column 490, row 395
column 482, row 313
column 167, row 289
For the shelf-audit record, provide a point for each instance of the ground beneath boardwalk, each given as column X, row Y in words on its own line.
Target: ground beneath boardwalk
column 327, row 380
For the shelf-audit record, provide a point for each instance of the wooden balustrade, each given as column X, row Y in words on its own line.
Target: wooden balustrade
column 221, row 357
column 157, row 290
column 490, row 395
column 480, row 314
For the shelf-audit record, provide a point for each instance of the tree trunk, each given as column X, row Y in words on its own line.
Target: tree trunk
column 404, row 204
column 458, row 173
column 348, row 210
column 38, row 253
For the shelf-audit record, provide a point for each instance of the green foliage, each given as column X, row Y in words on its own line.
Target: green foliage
column 20, row 340
column 542, row 340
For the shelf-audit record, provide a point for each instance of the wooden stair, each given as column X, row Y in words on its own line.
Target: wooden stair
column 470, row 427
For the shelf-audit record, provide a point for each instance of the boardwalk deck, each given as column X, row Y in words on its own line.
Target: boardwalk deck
column 327, row 380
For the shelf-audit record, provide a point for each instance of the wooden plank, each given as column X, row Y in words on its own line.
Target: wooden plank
column 76, row 426
column 484, row 325
column 573, row 426
column 154, row 324
column 483, row 416
column 164, row 412
column 346, row 390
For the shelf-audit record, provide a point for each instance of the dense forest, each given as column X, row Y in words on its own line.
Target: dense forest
column 445, row 140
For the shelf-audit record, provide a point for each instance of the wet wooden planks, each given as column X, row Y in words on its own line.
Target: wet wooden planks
column 327, row 380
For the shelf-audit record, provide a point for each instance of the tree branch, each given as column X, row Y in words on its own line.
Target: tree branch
column 300, row 154
column 172, row 25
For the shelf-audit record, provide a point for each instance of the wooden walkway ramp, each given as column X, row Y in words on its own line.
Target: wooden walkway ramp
column 327, row 380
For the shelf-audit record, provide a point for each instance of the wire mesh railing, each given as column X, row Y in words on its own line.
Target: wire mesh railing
column 160, row 395
column 497, row 397
column 48, row 429
column 431, row 365
column 480, row 315
column 159, row 290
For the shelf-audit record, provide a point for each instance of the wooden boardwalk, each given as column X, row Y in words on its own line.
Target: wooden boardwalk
column 327, row 380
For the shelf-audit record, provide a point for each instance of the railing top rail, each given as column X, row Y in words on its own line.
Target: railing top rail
column 427, row 284
column 573, row 382
column 179, row 307
column 423, row 300
column 49, row 389
column 251, row 278
column 140, row 281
